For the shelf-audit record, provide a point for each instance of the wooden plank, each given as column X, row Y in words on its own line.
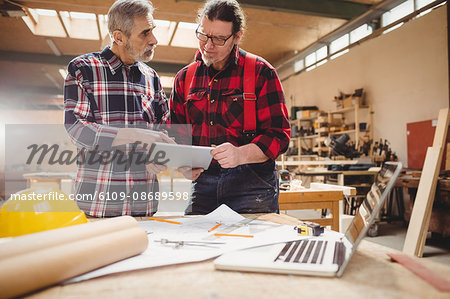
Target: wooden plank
column 433, row 278
column 320, row 162
column 441, row 129
column 440, row 138
column 306, row 205
column 277, row 218
column 447, row 161
column 345, row 190
column 335, row 211
column 309, row 196
column 314, row 199
column 421, row 213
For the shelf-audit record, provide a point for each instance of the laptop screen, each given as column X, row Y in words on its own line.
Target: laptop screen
column 373, row 202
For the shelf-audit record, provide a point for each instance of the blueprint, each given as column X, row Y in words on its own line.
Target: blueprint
column 191, row 240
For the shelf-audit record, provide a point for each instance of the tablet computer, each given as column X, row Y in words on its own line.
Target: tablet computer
column 178, row 155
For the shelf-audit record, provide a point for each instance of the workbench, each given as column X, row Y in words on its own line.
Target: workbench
column 313, row 199
column 440, row 214
column 318, row 196
column 370, row 274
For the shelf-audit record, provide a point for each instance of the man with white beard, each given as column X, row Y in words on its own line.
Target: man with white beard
column 112, row 101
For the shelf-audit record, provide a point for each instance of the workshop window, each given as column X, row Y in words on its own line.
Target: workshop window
column 339, row 43
column 321, row 54
column 360, row 32
column 397, row 13
column 299, row 65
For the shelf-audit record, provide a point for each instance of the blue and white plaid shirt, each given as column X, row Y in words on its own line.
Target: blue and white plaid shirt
column 101, row 95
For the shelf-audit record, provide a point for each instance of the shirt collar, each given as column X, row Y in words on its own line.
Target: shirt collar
column 115, row 63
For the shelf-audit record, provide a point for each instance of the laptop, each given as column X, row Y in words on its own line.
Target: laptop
column 326, row 255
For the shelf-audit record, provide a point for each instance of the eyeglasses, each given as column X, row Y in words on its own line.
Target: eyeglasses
column 217, row 41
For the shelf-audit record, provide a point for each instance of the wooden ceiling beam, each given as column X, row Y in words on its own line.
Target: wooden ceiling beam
column 322, row 8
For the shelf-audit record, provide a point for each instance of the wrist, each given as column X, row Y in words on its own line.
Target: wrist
column 241, row 156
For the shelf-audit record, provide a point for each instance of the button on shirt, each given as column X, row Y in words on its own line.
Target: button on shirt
column 101, row 95
column 215, row 105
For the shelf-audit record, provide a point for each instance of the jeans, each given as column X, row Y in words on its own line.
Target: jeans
column 248, row 188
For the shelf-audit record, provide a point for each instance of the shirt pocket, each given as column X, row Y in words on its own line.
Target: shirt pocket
column 233, row 108
column 144, row 103
column 196, row 107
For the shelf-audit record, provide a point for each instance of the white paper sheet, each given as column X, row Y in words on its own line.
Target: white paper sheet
column 196, row 229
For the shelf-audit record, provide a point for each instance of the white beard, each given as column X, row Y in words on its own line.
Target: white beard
column 208, row 61
column 141, row 57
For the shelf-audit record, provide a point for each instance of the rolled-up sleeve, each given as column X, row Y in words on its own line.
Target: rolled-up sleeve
column 273, row 123
column 83, row 130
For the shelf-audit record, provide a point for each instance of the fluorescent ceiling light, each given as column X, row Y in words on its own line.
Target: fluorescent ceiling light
column 185, row 35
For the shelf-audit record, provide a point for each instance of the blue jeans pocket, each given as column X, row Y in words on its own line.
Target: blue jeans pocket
column 264, row 174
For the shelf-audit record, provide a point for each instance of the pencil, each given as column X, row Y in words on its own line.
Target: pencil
column 211, row 229
column 164, row 220
column 230, row 235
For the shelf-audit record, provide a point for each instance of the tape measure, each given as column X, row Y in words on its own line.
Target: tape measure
column 308, row 228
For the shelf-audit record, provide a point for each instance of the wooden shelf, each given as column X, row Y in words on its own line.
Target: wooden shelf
column 321, row 130
column 322, row 123
column 305, row 137
column 343, row 110
column 295, row 121
column 323, row 149
column 343, row 132
column 309, row 136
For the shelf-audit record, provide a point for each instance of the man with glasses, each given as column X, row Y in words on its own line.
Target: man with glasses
column 111, row 101
column 234, row 101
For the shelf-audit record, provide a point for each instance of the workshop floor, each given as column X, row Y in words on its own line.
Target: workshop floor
column 393, row 235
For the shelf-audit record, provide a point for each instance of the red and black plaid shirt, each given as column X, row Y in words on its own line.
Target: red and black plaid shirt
column 217, row 113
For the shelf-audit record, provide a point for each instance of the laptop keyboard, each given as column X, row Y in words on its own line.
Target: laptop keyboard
column 310, row 251
column 339, row 253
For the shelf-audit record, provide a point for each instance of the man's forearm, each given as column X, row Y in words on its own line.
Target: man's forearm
column 251, row 153
column 126, row 136
column 132, row 135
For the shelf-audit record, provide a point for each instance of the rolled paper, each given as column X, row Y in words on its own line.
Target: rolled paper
column 38, row 268
column 54, row 237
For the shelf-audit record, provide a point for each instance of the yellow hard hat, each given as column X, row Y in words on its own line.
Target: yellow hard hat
column 35, row 210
